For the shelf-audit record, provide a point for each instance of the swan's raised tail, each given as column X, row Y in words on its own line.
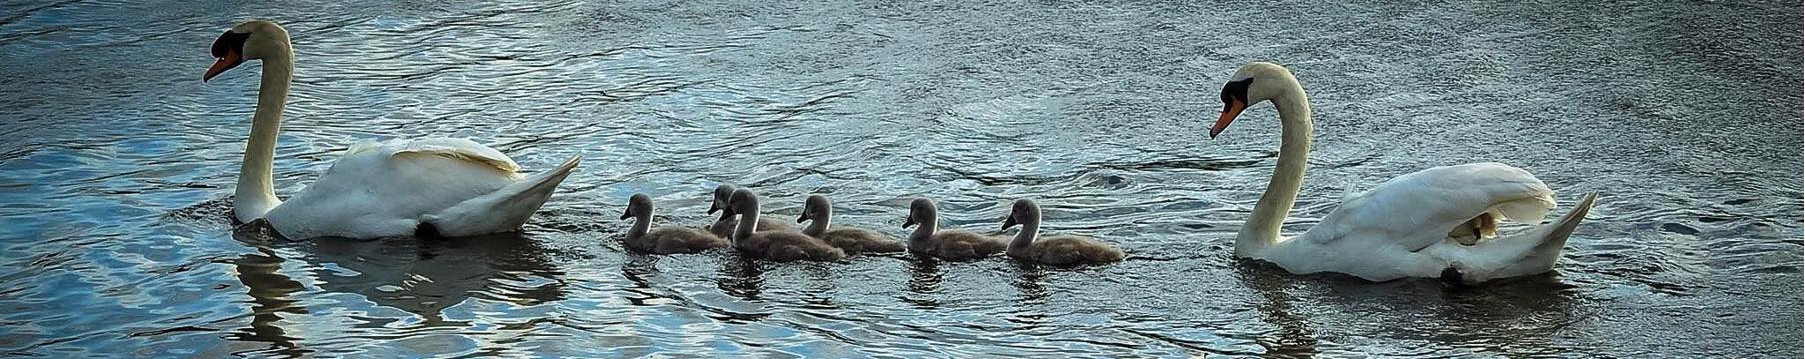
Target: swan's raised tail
column 1556, row 238
column 505, row 209
column 1531, row 252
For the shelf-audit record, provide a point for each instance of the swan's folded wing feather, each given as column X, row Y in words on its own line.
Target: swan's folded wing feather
column 458, row 149
column 1418, row 209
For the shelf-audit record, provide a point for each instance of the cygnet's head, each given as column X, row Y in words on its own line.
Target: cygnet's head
column 920, row 210
column 742, row 201
column 815, row 205
column 638, row 205
column 720, row 197
column 1024, row 211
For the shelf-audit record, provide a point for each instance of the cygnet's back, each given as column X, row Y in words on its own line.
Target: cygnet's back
column 1063, row 250
column 779, row 246
column 819, row 212
column 663, row 240
column 953, row 245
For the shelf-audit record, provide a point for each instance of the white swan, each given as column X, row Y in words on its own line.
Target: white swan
column 448, row 187
column 1402, row 227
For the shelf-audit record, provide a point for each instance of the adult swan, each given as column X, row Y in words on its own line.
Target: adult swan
column 1406, row 227
column 453, row 187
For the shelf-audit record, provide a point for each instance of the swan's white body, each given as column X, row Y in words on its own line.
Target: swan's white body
column 1400, row 228
column 455, row 186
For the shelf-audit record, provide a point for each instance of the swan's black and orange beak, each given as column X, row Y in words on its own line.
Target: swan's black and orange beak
column 626, row 215
column 228, row 52
column 1230, row 111
column 222, row 64
column 1008, row 222
column 909, row 222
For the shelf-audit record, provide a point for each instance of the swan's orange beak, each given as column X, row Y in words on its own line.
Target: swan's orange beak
column 1228, row 116
column 222, row 64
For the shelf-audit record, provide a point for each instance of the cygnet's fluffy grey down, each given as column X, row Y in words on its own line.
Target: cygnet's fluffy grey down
column 724, row 226
column 663, row 240
column 1062, row 250
column 952, row 245
column 819, row 211
column 782, row 246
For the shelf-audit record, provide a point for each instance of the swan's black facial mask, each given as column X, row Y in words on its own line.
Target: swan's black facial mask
column 1234, row 100
column 228, row 52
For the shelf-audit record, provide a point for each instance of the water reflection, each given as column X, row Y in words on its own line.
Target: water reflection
column 1416, row 316
column 1292, row 337
column 425, row 276
column 422, row 276
column 924, row 283
column 741, row 277
column 271, row 292
column 1028, row 282
column 640, row 269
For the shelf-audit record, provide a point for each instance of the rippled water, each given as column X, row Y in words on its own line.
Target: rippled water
column 116, row 163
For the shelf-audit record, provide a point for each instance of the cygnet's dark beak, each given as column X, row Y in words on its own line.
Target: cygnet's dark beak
column 909, row 222
column 712, row 207
column 1008, row 222
column 803, row 218
column 626, row 215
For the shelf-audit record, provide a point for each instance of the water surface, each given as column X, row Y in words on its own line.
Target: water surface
column 116, row 164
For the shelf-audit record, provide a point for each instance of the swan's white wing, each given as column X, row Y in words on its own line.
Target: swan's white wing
column 503, row 210
column 456, row 148
column 1418, row 209
column 1523, row 253
column 384, row 189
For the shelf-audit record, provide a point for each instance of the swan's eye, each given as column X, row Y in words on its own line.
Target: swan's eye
column 1236, row 90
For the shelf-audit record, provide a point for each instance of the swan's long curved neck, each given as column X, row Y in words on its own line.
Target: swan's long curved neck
column 256, row 192
column 1262, row 230
column 1030, row 231
column 818, row 223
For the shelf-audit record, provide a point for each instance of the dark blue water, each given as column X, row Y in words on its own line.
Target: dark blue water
column 116, row 164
